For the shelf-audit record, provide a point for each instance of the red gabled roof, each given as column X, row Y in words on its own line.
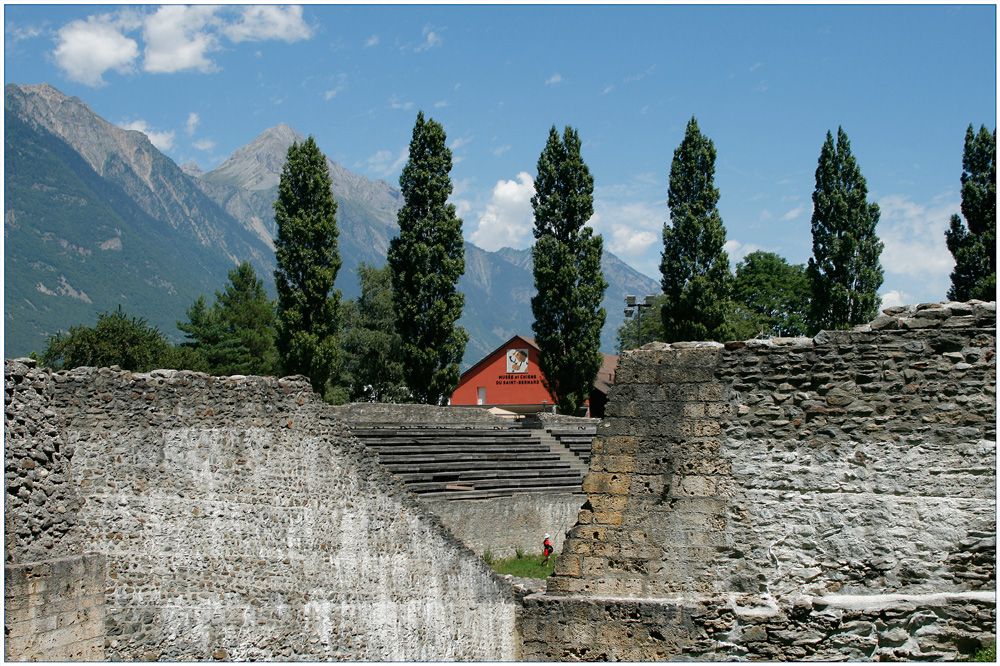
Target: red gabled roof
column 529, row 341
column 605, row 376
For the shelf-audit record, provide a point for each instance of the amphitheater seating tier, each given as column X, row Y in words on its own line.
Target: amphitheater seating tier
column 476, row 461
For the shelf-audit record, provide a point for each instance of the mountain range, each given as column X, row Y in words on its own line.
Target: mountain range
column 95, row 216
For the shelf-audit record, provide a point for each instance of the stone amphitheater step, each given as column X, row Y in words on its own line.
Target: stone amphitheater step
column 488, row 494
column 569, row 482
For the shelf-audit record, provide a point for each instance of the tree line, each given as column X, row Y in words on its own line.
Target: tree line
column 399, row 341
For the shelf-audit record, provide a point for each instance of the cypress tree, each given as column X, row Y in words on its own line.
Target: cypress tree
column 975, row 247
column 845, row 272
column 696, row 279
column 567, row 268
column 427, row 259
column 308, row 261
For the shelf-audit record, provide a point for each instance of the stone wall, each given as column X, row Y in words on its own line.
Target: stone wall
column 239, row 522
column 785, row 488
column 54, row 610
column 502, row 524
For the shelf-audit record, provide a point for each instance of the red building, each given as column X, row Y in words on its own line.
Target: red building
column 509, row 378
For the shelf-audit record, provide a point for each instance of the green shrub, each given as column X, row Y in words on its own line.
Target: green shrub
column 529, row 566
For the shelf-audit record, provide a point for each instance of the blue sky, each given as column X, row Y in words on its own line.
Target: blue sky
column 765, row 83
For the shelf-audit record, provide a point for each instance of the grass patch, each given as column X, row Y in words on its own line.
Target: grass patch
column 987, row 653
column 527, row 566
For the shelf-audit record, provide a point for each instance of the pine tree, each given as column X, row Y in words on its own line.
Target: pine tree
column 308, row 261
column 845, row 272
column 974, row 247
column 695, row 272
column 567, row 268
column 236, row 336
column 427, row 259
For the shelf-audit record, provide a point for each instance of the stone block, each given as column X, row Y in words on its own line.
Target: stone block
column 605, row 483
column 567, row 565
column 612, row 463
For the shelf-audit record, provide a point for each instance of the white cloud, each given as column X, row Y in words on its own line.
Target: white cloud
column 263, row 22
column 755, row 66
column 204, row 144
column 177, row 39
column 554, row 80
column 192, row 123
column 632, row 78
column 501, row 150
column 431, row 38
column 396, row 104
column 371, row 41
column 796, row 212
column 737, row 251
column 384, row 163
column 330, row 94
column 440, row 105
column 508, row 218
column 162, row 140
column 87, row 49
column 915, row 249
column 895, row 297
column 460, row 142
column 607, row 89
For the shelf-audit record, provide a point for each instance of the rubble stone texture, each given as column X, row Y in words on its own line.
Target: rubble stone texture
column 238, row 521
column 823, row 498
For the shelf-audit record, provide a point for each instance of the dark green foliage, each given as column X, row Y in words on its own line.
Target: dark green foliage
column 427, row 259
column 975, row 247
column 308, row 261
column 567, row 268
column 372, row 347
column 117, row 339
column 236, row 336
column 770, row 297
column 636, row 330
column 696, row 280
column 845, row 273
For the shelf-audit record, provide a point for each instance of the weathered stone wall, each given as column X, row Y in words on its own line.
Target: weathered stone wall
column 788, row 487
column 502, row 524
column 370, row 413
column 239, row 521
column 54, row 610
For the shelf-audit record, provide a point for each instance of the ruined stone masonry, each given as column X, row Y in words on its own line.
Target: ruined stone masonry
column 789, row 499
column 813, row 499
column 230, row 519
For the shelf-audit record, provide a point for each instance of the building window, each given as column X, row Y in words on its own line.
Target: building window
column 481, row 400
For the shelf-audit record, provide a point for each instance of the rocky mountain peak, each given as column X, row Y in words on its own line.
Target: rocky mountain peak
column 257, row 165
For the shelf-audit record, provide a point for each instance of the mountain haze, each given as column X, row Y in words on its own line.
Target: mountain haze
column 96, row 216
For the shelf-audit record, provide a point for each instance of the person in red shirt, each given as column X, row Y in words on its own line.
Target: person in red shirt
column 547, row 549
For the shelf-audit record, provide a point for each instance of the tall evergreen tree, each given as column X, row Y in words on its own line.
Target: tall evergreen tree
column 975, row 247
column 845, row 272
column 308, row 261
column 427, row 259
column 567, row 268
column 696, row 279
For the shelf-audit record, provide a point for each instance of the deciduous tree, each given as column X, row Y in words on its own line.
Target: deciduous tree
column 372, row 347
column 844, row 272
column 117, row 339
column 427, row 259
column 694, row 266
column 974, row 247
column 770, row 297
column 567, row 268
column 308, row 261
